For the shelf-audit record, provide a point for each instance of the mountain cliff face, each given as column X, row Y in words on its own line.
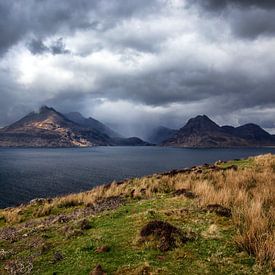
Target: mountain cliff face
column 203, row 132
column 49, row 128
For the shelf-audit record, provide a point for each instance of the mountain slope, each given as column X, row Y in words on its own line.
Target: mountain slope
column 203, row 132
column 91, row 123
column 160, row 134
column 251, row 132
column 49, row 128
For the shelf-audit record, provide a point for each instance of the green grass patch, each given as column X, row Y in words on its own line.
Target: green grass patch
column 241, row 163
column 119, row 230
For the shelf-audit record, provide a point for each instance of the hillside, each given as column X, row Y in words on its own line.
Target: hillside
column 212, row 219
column 201, row 131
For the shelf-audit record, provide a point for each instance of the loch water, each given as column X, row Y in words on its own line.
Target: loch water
column 26, row 174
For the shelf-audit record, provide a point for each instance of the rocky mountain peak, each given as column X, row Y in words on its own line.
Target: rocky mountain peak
column 45, row 109
column 201, row 123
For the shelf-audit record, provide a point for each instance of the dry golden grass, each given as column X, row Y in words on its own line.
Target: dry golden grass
column 247, row 191
column 250, row 193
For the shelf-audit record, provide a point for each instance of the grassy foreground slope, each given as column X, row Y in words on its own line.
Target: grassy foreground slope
column 212, row 219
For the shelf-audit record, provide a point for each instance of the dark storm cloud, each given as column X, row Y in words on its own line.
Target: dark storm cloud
column 248, row 18
column 157, row 60
column 36, row 46
column 253, row 23
column 221, row 4
column 48, row 17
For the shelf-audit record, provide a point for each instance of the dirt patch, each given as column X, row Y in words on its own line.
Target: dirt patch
column 9, row 234
column 219, row 210
column 167, row 235
column 18, row 267
column 109, row 203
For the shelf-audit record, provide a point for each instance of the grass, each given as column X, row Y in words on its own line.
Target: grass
column 243, row 244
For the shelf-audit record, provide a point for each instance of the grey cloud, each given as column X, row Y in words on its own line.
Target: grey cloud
column 173, row 87
column 221, row 4
column 36, row 46
column 49, row 17
column 247, row 18
column 253, row 23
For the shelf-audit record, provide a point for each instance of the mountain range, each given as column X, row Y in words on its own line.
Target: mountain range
column 50, row 128
column 201, row 131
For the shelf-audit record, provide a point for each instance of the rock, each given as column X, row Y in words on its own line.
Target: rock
column 219, row 210
column 97, row 271
column 102, row 249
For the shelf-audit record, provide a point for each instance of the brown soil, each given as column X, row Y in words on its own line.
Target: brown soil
column 166, row 234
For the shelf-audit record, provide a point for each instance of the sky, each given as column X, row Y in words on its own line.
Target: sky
column 138, row 64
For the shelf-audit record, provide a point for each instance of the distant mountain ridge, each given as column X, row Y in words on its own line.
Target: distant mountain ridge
column 49, row 128
column 160, row 134
column 201, row 131
column 91, row 123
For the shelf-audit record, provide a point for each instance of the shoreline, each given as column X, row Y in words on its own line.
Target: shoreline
column 107, row 185
column 202, row 214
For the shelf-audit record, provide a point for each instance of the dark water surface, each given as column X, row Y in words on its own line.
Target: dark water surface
column 30, row 173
